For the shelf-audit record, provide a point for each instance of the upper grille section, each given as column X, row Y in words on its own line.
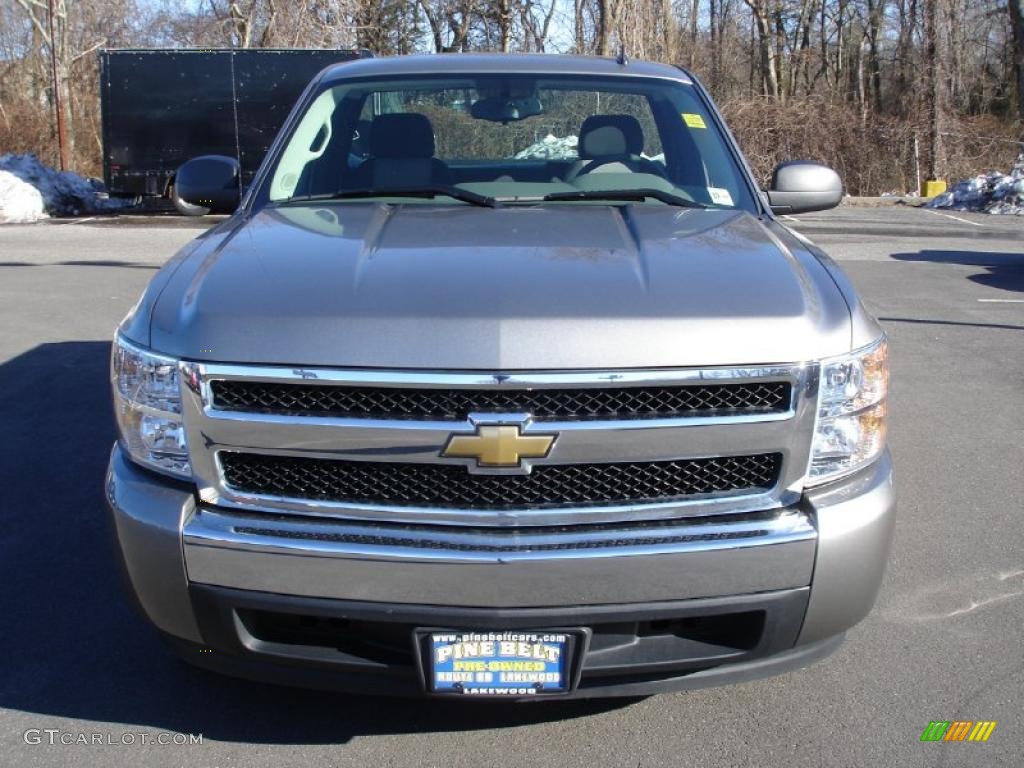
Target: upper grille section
column 631, row 445
column 601, row 403
column 449, row 486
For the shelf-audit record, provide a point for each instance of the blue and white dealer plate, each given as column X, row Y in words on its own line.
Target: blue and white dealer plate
column 514, row 662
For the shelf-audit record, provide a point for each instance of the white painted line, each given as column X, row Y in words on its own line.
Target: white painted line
column 787, row 217
column 956, row 218
column 1002, row 301
column 78, row 221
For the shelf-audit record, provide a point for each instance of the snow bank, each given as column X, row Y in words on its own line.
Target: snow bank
column 62, row 193
column 989, row 192
column 20, row 202
column 551, row 148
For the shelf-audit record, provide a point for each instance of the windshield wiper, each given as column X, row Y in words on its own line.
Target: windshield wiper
column 463, row 195
column 627, row 195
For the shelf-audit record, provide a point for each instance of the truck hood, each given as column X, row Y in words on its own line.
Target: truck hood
column 517, row 288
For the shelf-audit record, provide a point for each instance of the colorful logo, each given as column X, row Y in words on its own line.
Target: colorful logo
column 958, row 730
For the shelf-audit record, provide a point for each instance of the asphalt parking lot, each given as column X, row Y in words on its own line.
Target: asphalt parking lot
column 944, row 642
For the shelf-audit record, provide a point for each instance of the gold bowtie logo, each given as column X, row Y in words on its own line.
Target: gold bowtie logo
column 498, row 446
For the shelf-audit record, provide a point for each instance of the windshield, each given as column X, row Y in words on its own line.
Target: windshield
column 481, row 140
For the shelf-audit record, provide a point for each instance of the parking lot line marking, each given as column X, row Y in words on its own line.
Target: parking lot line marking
column 78, row 221
column 1002, row 301
column 957, row 218
column 787, row 217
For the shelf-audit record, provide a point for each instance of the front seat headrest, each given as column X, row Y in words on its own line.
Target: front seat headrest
column 610, row 135
column 408, row 135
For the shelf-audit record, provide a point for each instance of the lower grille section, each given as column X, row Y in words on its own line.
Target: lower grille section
column 691, row 640
column 451, row 486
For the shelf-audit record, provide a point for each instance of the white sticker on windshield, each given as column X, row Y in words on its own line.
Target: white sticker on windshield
column 720, row 196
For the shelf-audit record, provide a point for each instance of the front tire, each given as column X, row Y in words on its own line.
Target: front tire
column 185, row 208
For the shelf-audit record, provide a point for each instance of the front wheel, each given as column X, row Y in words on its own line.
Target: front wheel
column 183, row 207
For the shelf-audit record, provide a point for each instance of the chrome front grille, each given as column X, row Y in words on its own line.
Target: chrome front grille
column 636, row 402
column 443, row 485
column 629, row 445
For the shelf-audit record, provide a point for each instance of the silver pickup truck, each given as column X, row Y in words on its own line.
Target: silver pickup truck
column 502, row 380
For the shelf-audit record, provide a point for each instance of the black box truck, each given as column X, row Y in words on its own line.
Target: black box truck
column 161, row 108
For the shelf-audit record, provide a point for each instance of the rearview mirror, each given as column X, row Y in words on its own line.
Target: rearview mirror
column 210, row 181
column 505, row 109
column 800, row 187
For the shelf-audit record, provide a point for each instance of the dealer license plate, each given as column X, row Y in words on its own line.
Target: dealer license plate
column 513, row 663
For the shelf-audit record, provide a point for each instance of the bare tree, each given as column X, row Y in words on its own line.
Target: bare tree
column 763, row 13
column 50, row 25
column 536, row 23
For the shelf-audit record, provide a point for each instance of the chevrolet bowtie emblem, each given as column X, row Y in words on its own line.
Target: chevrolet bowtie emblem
column 496, row 446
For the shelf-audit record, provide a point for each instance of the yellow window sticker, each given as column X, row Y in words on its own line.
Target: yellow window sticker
column 693, row 120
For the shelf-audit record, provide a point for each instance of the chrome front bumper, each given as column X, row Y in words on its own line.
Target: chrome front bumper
column 500, row 568
column 839, row 534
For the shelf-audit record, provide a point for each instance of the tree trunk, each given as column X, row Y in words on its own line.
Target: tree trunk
column 694, row 14
column 38, row 78
column 876, row 12
column 669, row 32
column 933, row 67
column 800, row 47
column 436, row 32
column 904, row 53
column 838, row 68
column 766, row 42
column 580, row 33
column 505, row 25
column 823, row 40
column 1017, row 22
column 754, row 64
column 779, row 19
column 540, row 36
column 862, row 88
column 606, row 14
column 716, row 47
column 65, row 133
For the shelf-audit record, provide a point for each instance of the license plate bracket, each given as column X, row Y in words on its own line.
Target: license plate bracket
column 500, row 663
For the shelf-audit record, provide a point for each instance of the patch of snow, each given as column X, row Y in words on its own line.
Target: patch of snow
column 20, row 202
column 63, row 193
column 551, row 148
column 994, row 192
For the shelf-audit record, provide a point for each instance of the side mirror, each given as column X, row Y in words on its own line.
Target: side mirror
column 210, row 181
column 800, row 187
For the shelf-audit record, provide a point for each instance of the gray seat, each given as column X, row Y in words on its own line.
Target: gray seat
column 402, row 154
column 611, row 144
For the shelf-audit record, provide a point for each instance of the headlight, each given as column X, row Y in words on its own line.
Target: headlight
column 147, row 404
column 850, row 429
